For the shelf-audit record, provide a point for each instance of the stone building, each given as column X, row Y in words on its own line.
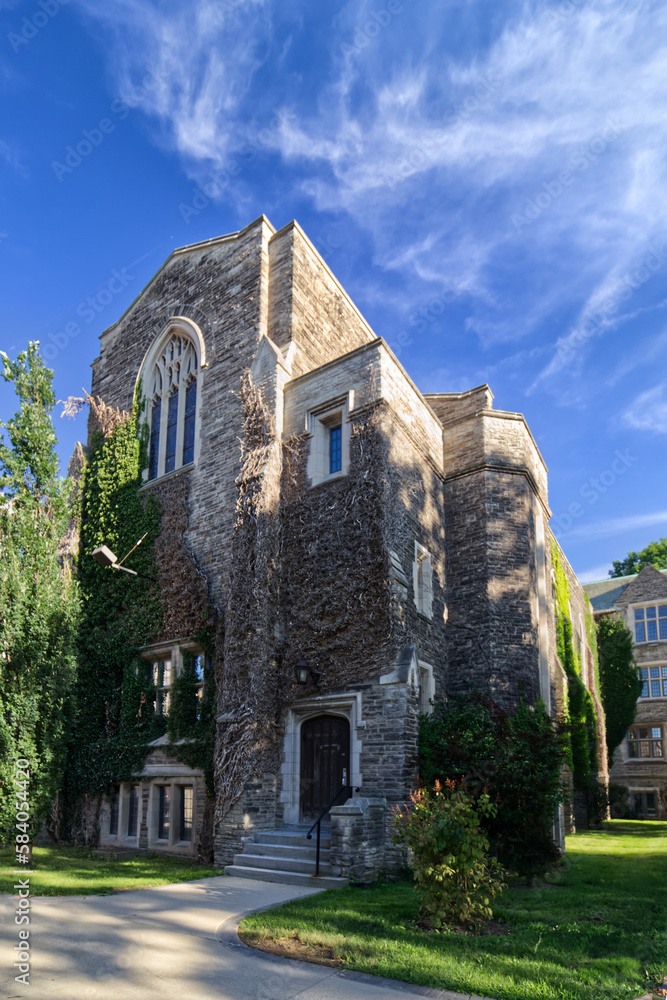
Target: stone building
column 639, row 762
column 367, row 548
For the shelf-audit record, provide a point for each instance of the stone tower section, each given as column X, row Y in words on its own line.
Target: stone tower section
column 495, row 509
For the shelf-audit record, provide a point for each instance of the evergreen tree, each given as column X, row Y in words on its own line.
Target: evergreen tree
column 38, row 597
column 655, row 554
column 619, row 679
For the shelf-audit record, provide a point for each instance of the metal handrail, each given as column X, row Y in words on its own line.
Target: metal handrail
column 317, row 823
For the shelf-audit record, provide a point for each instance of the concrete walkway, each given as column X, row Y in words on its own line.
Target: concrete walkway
column 177, row 942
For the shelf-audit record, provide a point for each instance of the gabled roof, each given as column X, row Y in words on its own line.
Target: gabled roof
column 603, row 594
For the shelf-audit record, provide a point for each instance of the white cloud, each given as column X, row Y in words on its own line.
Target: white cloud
column 595, row 574
column 648, row 412
column 614, row 526
column 435, row 151
column 203, row 54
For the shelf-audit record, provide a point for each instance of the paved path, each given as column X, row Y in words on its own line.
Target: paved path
column 178, row 941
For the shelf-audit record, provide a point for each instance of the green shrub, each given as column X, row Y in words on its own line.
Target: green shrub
column 449, row 853
column 516, row 757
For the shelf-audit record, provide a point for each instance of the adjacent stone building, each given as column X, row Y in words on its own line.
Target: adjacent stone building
column 367, row 547
column 640, row 763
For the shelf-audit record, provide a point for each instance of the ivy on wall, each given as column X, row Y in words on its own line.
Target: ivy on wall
column 581, row 712
column 115, row 718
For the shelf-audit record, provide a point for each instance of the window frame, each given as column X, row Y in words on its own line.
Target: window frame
column 653, row 675
column 654, row 742
column 172, row 652
column 186, row 451
column 321, row 420
column 640, row 620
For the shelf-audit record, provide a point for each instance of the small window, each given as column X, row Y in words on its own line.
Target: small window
column 423, row 581
column 335, row 448
column 644, row 742
column 329, row 456
column 114, row 811
column 132, row 810
column 186, row 804
column 164, row 812
column 645, row 804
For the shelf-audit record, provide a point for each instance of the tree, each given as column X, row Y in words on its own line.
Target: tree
column 619, row 679
column 516, row 757
column 38, row 597
column 655, row 554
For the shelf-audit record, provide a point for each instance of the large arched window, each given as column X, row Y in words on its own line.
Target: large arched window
column 171, row 376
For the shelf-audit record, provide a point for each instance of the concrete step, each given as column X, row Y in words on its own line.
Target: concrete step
column 286, row 838
column 287, row 850
column 287, row 878
column 280, row 864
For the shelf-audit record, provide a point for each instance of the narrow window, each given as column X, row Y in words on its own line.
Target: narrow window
column 162, row 682
column 189, row 422
column 335, row 448
column 113, row 812
column 172, row 426
column 164, row 813
column 155, row 439
column 132, row 811
column 185, row 818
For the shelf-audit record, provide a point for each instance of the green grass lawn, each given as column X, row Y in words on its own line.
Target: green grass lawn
column 599, row 932
column 73, row 871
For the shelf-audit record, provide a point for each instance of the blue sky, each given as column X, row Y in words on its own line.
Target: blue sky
column 487, row 180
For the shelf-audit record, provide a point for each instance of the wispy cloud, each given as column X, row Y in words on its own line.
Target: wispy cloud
column 204, row 53
column 594, row 574
column 615, row 526
column 434, row 156
column 648, row 412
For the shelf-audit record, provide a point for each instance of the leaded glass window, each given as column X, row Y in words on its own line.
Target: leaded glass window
column 173, row 406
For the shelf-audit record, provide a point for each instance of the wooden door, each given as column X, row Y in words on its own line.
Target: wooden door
column 325, row 763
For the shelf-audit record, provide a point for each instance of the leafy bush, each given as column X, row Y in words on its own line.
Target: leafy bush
column 516, row 757
column 449, row 853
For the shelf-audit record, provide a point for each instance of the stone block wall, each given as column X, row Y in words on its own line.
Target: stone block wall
column 358, row 838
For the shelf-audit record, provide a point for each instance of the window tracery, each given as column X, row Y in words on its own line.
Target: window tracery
column 172, row 406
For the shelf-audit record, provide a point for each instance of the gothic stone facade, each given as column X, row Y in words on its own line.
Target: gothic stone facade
column 640, row 762
column 394, row 545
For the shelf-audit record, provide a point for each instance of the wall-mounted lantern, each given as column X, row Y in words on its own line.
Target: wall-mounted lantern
column 304, row 671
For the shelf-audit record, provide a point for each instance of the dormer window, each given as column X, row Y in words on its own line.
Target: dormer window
column 171, row 379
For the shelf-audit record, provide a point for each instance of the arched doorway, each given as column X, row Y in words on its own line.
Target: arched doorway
column 325, row 763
